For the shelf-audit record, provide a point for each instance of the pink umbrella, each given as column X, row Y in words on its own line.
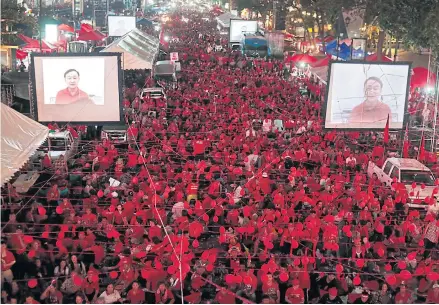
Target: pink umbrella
column 92, row 36
column 305, row 58
column 374, row 57
column 323, row 62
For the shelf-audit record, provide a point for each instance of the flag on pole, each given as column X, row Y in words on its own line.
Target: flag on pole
column 386, row 130
column 406, row 146
column 421, row 156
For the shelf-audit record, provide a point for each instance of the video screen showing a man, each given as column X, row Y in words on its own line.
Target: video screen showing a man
column 372, row 109
column 371, row 94
column 71, row 94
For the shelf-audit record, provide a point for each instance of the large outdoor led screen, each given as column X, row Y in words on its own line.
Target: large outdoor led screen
column 120, row 25
column 362, row 95
column 240, row 27
column 77, row 87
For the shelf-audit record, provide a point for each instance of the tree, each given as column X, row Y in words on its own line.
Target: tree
column 415, row 22
column 15, row 21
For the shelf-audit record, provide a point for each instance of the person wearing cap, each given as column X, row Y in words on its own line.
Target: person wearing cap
column 364, row 298
column 331, row 297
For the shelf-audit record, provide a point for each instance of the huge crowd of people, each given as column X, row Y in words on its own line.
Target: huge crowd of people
column 229, row 191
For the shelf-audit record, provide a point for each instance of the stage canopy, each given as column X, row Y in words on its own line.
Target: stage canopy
column 139, row 50
column 21, row 137
column 224, row 19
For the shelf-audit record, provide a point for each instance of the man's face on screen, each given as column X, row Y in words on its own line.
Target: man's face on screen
column 72, row 80
column 373, row 89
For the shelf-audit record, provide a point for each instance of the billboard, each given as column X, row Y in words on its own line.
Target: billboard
column 120, row 25
column 362, row 95
column 240, row 27
column 77, row 88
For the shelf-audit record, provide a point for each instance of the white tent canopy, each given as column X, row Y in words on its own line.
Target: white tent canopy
column 321, row 73
column 139, row 49
column 20, row 138
column 224, row 19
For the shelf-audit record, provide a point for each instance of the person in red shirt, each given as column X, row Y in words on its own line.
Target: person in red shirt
column 72, row 93
column 403, row 296
column 136, row 295
column 294, row 294
column 8, row 260
column 433, row 295
column 271, row 288
column 164, row 295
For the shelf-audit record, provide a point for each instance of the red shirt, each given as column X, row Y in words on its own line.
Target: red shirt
column 7, row 259
column 295, row 296
column 164, row 296
column 65, row 97
column 136, row 296
column 225, row 298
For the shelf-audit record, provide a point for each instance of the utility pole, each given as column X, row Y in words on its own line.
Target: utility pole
column 41, row 25
column 274, row 14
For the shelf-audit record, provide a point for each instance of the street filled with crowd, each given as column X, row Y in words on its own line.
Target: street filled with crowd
column 229, row 191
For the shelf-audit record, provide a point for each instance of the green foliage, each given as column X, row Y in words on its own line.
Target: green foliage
column 415, row 22
column 14, row 19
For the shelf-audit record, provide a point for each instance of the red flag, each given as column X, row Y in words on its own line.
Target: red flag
column 405, row 149
column 386, row 131
column 421, row 156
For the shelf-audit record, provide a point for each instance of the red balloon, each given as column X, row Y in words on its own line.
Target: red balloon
column 31, row 254
column 402, row 265
column 32, row 283
column 433, row 276
column 391, row 279
column 42, row 211
column 114, row 275
column 28, row 239
column 360, row 263
column 413, row 185
column 59, row 210
column 195, row 243
column 294, row 244
column 100, row 194
column 172, row 269
column 209, row 268
column 238, row 279
column 339, row 268
column 247, row 280
column 135, row 180
column 283, row 277
column 388, row 267
column 380, row 252
column 77, row 280
column 45, row 234
column 229, row 278
column 356, row 280
column 405, row 275
column 215, row 218
column 296, row 262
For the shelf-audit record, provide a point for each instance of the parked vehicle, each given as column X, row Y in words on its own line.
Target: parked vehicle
column 411, row 173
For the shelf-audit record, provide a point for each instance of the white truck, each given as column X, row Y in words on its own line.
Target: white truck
column 406, row 171
column 59, row 143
